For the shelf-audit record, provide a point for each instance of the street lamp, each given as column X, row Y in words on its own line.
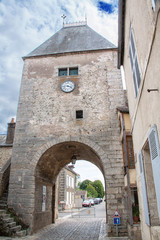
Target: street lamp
column 73, row 159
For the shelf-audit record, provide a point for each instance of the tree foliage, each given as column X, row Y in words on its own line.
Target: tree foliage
column 91, row 192
column 92, row 188
column 85, row 184
column 97, row 184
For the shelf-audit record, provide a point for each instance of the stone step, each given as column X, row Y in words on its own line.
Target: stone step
column 4, row 199
column 2, row 212
column 8, row 220
column 16, row 228
column 3, row 205
column 3, row 202
column 11, row 224
column 22, row 233
column 5, row 194
column 6, row 215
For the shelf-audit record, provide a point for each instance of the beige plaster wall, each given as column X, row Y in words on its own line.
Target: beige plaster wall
column 144, row 110
column 127, row 122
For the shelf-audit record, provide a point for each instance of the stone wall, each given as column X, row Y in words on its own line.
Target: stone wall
column 5, row 154
column 134, row 232
column 43, row 216
column 47, row 131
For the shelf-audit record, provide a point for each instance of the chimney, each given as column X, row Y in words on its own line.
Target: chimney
column 10, row 132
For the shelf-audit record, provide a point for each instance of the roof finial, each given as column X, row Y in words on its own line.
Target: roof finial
column 63, row 16
column 86, row 18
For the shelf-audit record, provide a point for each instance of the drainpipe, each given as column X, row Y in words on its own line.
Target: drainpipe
column 129, row 208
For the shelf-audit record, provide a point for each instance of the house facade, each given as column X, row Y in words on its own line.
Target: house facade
column 66, row 188
column 130, row 182
column 139, row 54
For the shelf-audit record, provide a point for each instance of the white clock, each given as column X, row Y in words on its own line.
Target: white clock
column 68, row 86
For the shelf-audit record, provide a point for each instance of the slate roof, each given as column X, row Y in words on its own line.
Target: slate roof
column 2, row 139
column 72, row 39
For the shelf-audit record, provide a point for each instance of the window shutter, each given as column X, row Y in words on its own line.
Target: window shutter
column 154, row 4
column 144, row 190
column 134, row 63
column 155, row 160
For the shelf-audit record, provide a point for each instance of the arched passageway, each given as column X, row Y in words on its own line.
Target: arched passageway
column 47, row 169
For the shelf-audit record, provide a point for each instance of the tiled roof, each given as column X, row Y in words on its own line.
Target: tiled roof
column 72, row 39
column 2, row 139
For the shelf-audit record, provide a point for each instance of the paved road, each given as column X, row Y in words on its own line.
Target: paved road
column 96, row 211
column 74, row 228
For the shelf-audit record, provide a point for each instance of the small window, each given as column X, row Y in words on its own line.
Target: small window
column 62, row 72
column 79, row 114
column 73, row 71
column 134, row 63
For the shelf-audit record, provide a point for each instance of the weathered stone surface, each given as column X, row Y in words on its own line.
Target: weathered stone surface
column 48, row 133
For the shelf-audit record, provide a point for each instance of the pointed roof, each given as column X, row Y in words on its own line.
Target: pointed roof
column 72, row 39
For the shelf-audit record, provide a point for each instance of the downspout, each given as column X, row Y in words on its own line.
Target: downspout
column 129, row 207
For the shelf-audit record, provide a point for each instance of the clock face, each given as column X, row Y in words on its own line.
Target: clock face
column 68, row 86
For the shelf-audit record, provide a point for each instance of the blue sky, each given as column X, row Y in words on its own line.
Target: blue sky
column 107, row 7
column 25, row 24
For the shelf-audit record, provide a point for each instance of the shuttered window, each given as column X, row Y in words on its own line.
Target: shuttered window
column 144, row 190
column 155, row 160
column 130, row 152
column 154, row 4
column 134, row 63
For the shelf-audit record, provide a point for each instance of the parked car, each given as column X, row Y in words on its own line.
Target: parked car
column 96, row 201
column 91, row 201
column 100, row 200
column 86, row 203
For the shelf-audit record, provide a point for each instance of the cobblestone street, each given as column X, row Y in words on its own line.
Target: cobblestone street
column 71, row 229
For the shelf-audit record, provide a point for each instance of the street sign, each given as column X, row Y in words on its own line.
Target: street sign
column 116, row 220
column 116, row 214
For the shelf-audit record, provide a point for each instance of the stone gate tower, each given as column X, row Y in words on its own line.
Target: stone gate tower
column 69, row 93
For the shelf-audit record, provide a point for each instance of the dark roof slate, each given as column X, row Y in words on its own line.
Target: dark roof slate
column 72, row 39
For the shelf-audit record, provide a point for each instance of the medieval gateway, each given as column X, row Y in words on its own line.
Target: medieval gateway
column 70, row 91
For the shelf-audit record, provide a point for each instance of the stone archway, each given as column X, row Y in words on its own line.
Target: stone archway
column 51, row 158
column 28, row 178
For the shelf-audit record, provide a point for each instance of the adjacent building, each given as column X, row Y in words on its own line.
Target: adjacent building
column 66, row 188
column 139, row 53
column 6, row 145
column 80, row 196
column 130, row 183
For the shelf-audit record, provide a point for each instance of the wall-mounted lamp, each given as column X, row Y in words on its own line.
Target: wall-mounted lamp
column 73, row 159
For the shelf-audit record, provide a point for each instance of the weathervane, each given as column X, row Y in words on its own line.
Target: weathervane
column 63, row 16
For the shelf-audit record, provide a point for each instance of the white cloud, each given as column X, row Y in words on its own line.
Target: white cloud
column 24, row 25
column 87, row 170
